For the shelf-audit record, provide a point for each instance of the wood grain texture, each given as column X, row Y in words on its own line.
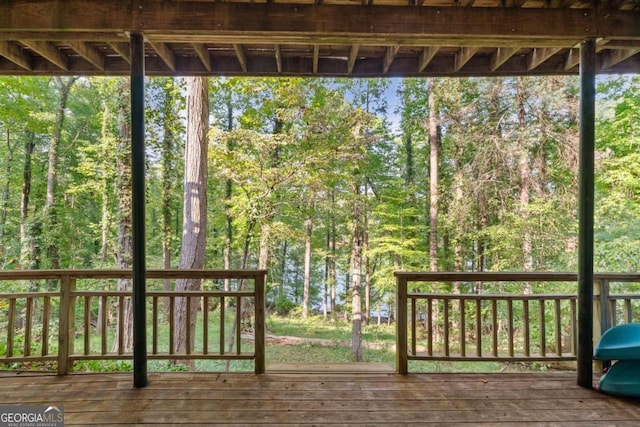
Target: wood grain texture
column 322, row 399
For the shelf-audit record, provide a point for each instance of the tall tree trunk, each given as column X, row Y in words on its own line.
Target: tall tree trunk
column 124, row 254
column 5, row 191
column 227, row 212
column 265, row 237
column 104, row 222
column 434, row 154
column 332, row 267
column 169, row 123
column 28, row 246
column 356, row 274
column 525, row 180
column 50, row 214
column 194, row 235
column 307, row 268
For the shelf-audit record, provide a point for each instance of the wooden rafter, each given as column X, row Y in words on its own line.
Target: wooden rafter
column 278, row 54
column 353, row 55
column 502, row 55
column 122, row 49
column 164, row 52
column 50, row 52
column 242, row 58
column 463, row 56
column 14, row 54
column 316, row 58
column 572, row 59
column 389, row 55
column 539, row 55
column 426, row 56
column 615, row 56
column 203, row 54
column 90, row 54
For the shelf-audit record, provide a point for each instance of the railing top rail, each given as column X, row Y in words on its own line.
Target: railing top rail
column 423, row 295
column 126, row 274
column 510, row 276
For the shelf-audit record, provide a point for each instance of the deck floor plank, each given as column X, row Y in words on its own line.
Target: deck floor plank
column 324, row 398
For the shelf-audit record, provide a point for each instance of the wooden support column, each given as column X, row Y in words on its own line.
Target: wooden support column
column 138, row 212
column 585, row 212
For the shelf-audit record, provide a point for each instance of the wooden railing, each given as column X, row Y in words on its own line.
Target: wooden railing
column 501, row 326
column 46, row 327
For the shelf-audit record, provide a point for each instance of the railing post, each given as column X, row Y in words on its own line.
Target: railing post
column 601, row 315
column 402, row 362
column 259, row 283
column 66, row 330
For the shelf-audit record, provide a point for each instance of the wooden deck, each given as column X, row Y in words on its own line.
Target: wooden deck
column 322, row 399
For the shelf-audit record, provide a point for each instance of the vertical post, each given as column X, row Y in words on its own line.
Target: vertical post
column 138, row 211
column 402, row 362
column 585, row 212
column 260, row 283
column 67, row 327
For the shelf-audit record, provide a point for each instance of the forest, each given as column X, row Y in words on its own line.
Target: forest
column 329, row 184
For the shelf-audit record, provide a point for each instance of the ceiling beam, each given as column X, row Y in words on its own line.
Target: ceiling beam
column 259, row 19
column 389, row 55
column 203, row 54
column 242, row 58
column 14, row 54
column 88, row 53
column 426, row 56
column 164, row 52
column 572, row 59
column 50, row 52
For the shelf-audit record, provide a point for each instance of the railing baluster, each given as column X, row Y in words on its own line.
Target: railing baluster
column 222, row 326
column 543, row 328
column 238, row 324
column 188, row 324
column 446, row 326
column 511, row 333
column 87, row 325
column 172, row 321
column 154, row 325
column 463, row 321
column 494, row 326
column 558, row 314
column 205, row 325
column 11, row 326
column 525, row 321
column 628, row 316
column 121, row 324
column 413, row 326
column 103, row 324
column 574, row 327
column 478, row 328
column 46, row 305
column 27, row 327
column 430, row 326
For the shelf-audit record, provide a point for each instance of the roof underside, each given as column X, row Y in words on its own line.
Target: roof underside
column 365, row 38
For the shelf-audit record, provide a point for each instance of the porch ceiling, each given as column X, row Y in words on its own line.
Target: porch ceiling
column 318, row 37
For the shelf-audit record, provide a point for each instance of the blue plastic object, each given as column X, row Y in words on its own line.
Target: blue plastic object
column 622, row 379
column 621, row 342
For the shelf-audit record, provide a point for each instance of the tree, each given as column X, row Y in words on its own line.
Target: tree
column 194, row 235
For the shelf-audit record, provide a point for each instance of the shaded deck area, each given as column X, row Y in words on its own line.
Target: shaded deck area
column 285, row 398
